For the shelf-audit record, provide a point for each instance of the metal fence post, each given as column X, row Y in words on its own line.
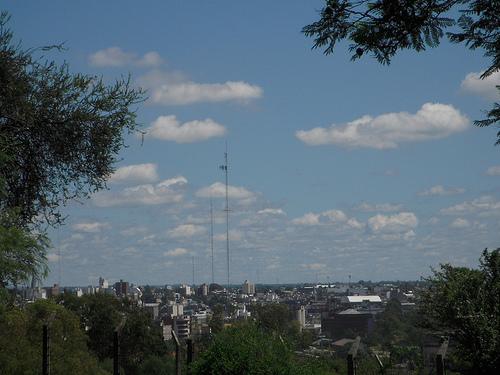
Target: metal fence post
column 177, row 354
column 190, row 352
column 45, row 351
column 116, row 346
column 351, row 357
column 440, row 357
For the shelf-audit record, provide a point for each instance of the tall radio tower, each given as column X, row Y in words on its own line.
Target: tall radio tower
column 224, row 167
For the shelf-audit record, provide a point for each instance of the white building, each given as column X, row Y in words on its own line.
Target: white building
column 300, row 316
column 248, row 288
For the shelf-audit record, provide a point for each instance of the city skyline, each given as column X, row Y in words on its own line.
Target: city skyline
column 402, row 182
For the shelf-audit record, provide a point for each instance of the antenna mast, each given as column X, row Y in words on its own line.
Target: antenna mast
column 224, row 167
column 212, row 237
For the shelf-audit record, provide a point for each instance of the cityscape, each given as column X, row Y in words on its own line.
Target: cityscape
column 250, row 188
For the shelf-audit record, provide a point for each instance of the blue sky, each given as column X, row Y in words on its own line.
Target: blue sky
column 401, row 182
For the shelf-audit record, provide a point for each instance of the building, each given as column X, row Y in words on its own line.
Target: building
column 153, row 309
column 300, row 316
column 348, row 323
column 203, row 290
column 248, row 288
column 185, row 290
column 103, row 284
column 121, row 288
column 182, row 326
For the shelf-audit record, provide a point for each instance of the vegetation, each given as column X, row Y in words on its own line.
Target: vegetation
column 465, row 304
column 60, row 133
column 384, row 27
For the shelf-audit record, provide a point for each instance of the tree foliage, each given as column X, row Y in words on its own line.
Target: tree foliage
column 23, row 355
column 384, row 27
column 465, row 303
column 60, row 132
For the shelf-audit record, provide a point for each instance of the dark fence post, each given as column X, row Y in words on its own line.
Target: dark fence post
column 177, row 354
column 190, row 352
column 440, row 357
column 45, row 351
column 116, row 347
column 46, row 344
column 351, row 357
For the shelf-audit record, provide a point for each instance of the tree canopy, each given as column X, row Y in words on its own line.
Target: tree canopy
column 465, row 303
column 60, row 133
column 384, row 27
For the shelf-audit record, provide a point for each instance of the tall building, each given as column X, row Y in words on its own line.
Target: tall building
column 103, row 283
column 300, row 316
column 185, row 290
column 203, row 290
column 182, row 326
column 248, row 288
column 121, row 288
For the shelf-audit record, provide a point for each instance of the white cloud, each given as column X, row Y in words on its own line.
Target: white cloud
column 326, row 217
column 218, row 190
column 483, row 205
column 186, row 231
column 440, row 190
column 353, row 223
column 378, row 207
column 314, row 266
column 486, row 88
column 167, row 191
column 168, row 128
column 271, row 211
column 176, row 252
column 116, row 57
column 135, row 173
column 234, row 235
column 90, row 227
column 307, row 219
column 432, row 121
column 460, row 223
column 188, row 92
column 401, row 222
column 493, row 171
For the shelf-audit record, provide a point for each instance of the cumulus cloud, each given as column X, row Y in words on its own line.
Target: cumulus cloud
column 401, row 222
column 432, row 121
column 191, row 92
column 314, row 266
column 186, row 231
column 441, row 190
column 493, row 171
column 460, row 223
column 167, row 191
column 378, row 207
column 218, row 190
column 135, row 173
column 486, row 88
column 326, row 217
column 170, row 87
column 271, row 211
column 116, row 57
column 176, row 252
column 168, row 128
column 90, row 227
column 483, row 205
column 234, row 235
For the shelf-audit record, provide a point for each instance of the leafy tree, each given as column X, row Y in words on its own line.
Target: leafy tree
column 384, row 27
column 216, row 322
column 60, row 133
column 465, row 303
column 246, row 350
column 68, row 350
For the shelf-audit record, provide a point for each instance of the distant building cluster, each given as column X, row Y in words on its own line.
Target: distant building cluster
column 335, row 313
